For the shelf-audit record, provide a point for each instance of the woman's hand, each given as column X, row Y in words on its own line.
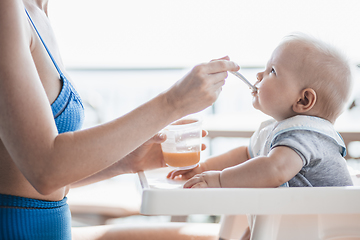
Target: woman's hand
column 200, row 87
column 149, row 155
column 146, row 157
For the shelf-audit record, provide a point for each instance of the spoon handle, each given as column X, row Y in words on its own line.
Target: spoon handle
column 239, row 75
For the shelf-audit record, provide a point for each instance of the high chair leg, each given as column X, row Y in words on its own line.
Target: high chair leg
column 232, row 226
column 265, row 227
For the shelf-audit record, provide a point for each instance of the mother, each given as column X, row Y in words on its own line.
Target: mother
column 42, row 151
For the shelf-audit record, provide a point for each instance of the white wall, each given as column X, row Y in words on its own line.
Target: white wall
column 178, row 33
column 182, row 33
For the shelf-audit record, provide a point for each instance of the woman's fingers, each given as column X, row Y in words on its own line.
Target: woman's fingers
column 219, row 66
column 223, row 58
column 203, row 147
column 204, row 133
column 158, row 138
column 200, row 87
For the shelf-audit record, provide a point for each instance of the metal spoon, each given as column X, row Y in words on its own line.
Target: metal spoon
column 239, row 75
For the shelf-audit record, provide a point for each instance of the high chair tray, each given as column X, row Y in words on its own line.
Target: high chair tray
column 161, row 196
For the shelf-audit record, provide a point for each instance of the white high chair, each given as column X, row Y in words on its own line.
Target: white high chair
column 298, row 213
column 324, row 213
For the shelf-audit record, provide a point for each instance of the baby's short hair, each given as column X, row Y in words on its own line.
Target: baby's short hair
column 327, row 71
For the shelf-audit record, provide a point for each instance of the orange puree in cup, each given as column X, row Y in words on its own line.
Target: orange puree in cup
column 181, row 159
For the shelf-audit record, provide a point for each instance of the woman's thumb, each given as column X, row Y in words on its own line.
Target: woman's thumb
column 159, row 138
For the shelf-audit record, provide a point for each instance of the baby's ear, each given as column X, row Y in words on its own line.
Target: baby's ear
column 306, row 101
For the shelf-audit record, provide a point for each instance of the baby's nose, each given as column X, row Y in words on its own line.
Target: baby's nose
column 259, row 76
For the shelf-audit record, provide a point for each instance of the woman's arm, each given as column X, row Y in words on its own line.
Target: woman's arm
column 148, row 156
column 50, row 160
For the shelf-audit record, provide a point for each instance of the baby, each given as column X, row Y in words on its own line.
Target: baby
column 304, row 88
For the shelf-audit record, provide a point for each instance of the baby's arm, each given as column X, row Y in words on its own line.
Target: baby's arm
column 220, row 162
column 278, row 167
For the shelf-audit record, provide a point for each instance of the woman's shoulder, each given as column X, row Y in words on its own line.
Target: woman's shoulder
column 14, row 26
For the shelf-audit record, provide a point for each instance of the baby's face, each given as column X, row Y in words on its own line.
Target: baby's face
column 278, row 85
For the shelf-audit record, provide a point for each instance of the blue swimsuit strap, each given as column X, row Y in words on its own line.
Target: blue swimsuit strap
column 67, row 89
column 48, row 51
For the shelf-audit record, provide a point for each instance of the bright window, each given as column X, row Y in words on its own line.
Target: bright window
column 181, row 33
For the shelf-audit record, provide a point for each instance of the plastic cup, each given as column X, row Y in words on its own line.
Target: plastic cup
column 183, row 144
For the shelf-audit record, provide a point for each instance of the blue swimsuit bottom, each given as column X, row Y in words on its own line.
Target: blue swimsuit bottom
column 25, row 218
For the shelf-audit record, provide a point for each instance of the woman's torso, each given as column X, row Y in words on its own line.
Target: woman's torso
column 12, row 181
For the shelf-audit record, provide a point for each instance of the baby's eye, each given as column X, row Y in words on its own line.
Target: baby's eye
column 273, row 71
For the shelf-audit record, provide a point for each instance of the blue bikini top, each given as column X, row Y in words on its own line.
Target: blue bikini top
column 68, row 109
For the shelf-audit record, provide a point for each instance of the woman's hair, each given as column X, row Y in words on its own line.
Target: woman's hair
column 327, row 71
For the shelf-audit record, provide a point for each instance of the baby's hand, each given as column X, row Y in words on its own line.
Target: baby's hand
column 210, row 179
column 186, row 174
